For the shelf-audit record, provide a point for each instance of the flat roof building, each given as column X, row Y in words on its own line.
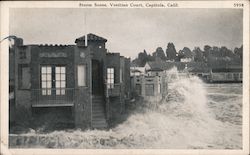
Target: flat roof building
column 88, row 79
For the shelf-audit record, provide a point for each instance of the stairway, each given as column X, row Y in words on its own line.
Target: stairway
column 98, row 113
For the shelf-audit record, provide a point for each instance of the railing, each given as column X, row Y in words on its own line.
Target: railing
column 53, row 96
column 113, row 89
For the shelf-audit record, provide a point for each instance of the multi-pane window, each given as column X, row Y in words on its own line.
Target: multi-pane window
column 46, row 80
column 53, row 80
column 60, row 80
column 110, row 78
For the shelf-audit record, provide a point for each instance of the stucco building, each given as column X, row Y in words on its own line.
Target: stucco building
column 93, row 83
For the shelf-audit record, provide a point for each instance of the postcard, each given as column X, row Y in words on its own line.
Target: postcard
column 124, row 77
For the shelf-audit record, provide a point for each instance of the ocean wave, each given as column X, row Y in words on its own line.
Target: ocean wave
column 186, row 119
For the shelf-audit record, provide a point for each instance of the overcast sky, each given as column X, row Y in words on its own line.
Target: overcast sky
column 130, row 31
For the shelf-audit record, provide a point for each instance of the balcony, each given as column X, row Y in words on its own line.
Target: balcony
column 53, row 97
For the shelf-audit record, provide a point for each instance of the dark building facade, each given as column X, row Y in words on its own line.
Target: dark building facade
column 87, row 79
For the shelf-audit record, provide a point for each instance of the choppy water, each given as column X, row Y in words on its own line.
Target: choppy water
column 194, row 116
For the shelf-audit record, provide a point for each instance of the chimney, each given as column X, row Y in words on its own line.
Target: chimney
column 18, row 42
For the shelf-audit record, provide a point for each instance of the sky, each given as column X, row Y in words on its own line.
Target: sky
column 130, row 31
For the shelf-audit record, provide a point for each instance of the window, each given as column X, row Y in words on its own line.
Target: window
column 81, row 75
column 149, row 90
column 110, row 78
column 60, row 80
column 53, row 80
column 159, row 88
column 46, row 80
column 24, row 77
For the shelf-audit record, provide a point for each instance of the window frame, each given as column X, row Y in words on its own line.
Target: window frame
column 51, row 84
column 110, row 77
column 61, row 90
column 85, row 75
column 45, row 91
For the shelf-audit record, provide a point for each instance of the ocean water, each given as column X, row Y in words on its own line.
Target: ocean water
column 194, row 115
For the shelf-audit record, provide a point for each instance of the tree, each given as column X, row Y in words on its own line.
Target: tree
column 171, row 52
column 142, row 58
column 187, row 53
column 180, row 55
column 198, row 55
column 159, row 53
column 207, row 50
column 239, row 52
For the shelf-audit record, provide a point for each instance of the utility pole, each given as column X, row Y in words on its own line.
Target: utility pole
column 86, row 33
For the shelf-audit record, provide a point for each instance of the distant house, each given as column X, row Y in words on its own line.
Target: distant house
column 150, row 84
column 154, row 68
column 136, row 71
column 94, row 84
column 232, row 74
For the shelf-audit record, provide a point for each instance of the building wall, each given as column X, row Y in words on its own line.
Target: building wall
column 127, row 77
column 83, row 102
column 52, row 55
column 121, row 67
column 11, row 67
column 115, row 106
column 22, row 95
column 113, row 60
column 99, row 53
column 149, row 86
column 136, row 85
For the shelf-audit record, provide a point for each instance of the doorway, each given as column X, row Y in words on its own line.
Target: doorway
column 97, row 80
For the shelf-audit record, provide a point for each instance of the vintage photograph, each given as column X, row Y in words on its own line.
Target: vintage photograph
column 126, row 78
